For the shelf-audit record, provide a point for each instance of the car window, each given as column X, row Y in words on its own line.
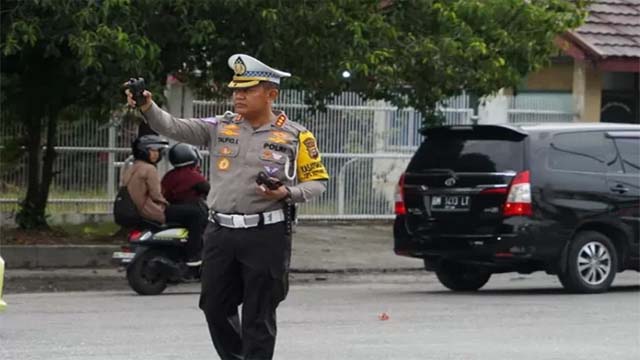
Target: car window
column 584, row 152
column 462, row 153
column 629, row 150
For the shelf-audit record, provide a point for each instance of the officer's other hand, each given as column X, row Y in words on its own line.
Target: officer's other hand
column 277, row 194
column 132, row 103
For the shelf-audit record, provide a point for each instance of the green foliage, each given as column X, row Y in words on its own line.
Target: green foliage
column 413, row 53
column 476, row 45
column 60, row 57
column 410, row 52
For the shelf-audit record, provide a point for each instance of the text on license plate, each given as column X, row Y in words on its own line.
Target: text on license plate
column 450, row 203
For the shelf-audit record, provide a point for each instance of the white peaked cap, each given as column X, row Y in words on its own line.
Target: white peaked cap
column 249, row 71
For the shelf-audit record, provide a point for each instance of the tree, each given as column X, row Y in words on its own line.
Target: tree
column 60, row 57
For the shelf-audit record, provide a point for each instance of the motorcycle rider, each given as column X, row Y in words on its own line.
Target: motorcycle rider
column 144, row 186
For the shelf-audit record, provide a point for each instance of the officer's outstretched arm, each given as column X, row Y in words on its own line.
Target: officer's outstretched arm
column 192, row 131
column 312, row 175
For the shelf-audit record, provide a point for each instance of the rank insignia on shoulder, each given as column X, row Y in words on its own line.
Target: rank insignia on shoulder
column 281, row 120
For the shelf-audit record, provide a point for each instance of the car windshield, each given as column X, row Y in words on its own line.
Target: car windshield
column 468, row 153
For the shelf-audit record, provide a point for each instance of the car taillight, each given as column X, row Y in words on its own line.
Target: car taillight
column 134, row 235
column 519, row 198
column 400, row 208
column 496, row 191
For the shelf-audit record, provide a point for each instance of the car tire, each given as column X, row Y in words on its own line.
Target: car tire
column 591, row 263
column 140, row 278
column 462, row 277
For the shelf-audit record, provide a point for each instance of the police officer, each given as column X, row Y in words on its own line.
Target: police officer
column 247, row 244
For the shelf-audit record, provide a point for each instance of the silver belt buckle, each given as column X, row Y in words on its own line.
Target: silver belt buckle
column 238, row 221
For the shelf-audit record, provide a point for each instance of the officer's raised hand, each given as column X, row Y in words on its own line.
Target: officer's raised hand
column 132, row 103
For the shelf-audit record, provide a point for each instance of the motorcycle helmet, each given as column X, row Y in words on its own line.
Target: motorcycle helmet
column 183, row 155
column 143, row 144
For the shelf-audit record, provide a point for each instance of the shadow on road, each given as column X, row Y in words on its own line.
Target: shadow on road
column 170, row 293
column 526, row 291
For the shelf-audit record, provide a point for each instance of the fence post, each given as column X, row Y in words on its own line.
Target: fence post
column 341, row 186
column 111, row 171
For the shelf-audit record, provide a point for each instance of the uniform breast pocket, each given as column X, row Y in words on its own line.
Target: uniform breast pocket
column 223, row 156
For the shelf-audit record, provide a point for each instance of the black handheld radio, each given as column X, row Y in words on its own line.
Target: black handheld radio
column 137, row 88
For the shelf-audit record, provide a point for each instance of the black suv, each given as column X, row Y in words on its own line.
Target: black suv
column 563, row 198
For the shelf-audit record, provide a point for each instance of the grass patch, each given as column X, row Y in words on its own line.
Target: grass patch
column 89, row 230
column 87, row 234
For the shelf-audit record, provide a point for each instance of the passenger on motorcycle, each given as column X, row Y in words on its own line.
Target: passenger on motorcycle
column 184, row 184
column 144, row 187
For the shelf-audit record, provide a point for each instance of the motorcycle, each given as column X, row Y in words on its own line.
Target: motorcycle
column 156, row 257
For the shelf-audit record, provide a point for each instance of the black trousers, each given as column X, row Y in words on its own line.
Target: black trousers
column 193, row 216
column 248, row 267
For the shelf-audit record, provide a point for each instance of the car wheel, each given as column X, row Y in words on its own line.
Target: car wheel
column 591, row 265
column 141, row 276
column 462, row 277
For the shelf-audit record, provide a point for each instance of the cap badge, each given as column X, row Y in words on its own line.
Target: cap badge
column 239, row 67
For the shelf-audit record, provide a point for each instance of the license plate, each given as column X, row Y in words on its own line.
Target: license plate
column 123, row 256
column 450, row 203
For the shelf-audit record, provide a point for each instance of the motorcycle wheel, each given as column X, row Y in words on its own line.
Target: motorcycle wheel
column 141, row 276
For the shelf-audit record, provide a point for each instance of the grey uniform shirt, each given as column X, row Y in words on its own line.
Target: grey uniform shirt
column 238, row 153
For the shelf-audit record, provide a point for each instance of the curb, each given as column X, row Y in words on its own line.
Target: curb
column 62, row 280
column 57, row 256
column 39, row 257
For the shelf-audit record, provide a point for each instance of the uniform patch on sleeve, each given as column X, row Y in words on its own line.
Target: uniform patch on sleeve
column 310, row 165
column 312, row 148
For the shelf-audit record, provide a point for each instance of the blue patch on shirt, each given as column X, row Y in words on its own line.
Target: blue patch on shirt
column 210, row 120
column 271, row 170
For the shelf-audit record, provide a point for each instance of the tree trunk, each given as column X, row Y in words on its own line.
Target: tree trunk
column 32, row 212
column 47, row 164
column 28, row 216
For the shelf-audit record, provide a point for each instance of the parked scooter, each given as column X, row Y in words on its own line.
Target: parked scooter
column 156, row 257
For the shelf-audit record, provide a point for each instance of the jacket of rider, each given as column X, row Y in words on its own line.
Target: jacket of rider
column 180, row 185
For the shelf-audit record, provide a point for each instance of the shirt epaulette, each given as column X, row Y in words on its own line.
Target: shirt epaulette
column 294, row 127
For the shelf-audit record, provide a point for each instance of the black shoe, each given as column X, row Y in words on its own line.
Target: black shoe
column 190, row 273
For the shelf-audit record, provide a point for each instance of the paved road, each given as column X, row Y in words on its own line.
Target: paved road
column 514, row 317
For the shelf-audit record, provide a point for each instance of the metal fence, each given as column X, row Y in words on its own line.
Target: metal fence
column 365, row 146
column 540, row 108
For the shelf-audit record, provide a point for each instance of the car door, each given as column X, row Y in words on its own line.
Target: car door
column 577, row 185
column 624, row 184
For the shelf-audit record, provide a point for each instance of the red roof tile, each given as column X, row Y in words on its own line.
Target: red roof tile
column 612, row 28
